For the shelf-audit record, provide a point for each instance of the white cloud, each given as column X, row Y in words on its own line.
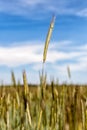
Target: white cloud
column 56, row 62
column 15, row 56
column 82, row 13
column 36, row 8
column 21, row 7
column 33, row 53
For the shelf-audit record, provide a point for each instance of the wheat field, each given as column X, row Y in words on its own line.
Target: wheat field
column 43, row 107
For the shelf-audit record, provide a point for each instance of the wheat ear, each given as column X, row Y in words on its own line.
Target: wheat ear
column 48, row 39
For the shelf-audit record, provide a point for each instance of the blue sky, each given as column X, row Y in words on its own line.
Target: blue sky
column 23, row 28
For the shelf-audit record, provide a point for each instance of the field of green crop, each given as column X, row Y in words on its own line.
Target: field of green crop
column 43, row 107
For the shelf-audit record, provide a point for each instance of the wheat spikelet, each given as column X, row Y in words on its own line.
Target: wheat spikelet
column 13, row 79
column 48, row 39
column 25, row 83
column 68, row 70
column 18, row 99
column 29, row 116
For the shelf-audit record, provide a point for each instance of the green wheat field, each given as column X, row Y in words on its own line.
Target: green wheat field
column 43, row 107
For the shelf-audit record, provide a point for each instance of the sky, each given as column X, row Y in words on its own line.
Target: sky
column 23, row 29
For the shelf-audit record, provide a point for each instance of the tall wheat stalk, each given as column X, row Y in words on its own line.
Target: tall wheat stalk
column 45, row 50
column 46, row 45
